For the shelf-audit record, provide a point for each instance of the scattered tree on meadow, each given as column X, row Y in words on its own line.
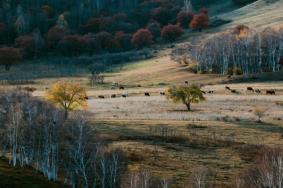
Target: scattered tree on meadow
column 171, row 32
column 142, row 38
column 9, row 56
column 185, row 95
column 67, row 96
column 200, row 20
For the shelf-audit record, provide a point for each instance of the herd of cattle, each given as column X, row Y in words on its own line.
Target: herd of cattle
column 162, row 93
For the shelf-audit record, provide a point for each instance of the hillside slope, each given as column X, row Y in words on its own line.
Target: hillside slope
column 261, row 13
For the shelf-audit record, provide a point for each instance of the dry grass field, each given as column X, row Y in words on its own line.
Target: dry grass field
column 222, row 133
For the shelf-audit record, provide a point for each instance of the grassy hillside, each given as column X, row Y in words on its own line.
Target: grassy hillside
column 261, row 13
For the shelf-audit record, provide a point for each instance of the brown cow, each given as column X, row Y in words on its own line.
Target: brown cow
column 113, row 96
column 250, row 89
column 101, row 97
column 228, row 88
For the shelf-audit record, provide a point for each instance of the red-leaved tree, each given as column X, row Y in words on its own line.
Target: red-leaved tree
column 171, row 32
column 200, row 21
column 9, row 56
column 142, row 38
column 184, row 18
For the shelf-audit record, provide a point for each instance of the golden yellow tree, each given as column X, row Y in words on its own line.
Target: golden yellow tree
column 67, row 96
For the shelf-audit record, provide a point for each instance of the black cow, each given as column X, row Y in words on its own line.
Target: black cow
column 270, row 92
column 228, row 88
column 210, row 92
column 147, row 94
column 101, row 97
column 235, row 91
column 113, row 96
column 124, row 95
column 162, row 93
column 121, row 87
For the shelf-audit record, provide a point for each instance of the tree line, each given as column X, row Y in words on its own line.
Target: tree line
column 72, row 28
column 240, row 50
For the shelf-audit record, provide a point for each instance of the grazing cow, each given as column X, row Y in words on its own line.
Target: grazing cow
column 147, row 94
column 101, row 97
column 139, row 85
column 86, row 98
column 121, row 87
column 124, row 95
column 162, row 93
column 228, row 88
column 257, row 91
column 250, row 89
column 235, row 91
column 113, row 96
column 186, row 82
column 270, row 92
column 210, row 92
column 29, row 89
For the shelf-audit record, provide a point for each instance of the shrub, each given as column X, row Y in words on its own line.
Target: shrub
column 171, row 32
column 142, row 38
column 193, row 67
column 184, row 18
column 155, row 29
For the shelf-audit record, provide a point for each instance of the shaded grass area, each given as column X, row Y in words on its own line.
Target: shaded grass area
column 11, row 177
column 225, row 148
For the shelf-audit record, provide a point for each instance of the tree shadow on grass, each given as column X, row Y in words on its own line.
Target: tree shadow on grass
column 262, row 126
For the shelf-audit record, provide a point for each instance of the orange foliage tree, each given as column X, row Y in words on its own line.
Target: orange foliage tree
column 9, row 56
column 67, row 96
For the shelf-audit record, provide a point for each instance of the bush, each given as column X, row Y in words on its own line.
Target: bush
column 193, row 67
column 142, row 38
column 171, row 32
column 184, row 18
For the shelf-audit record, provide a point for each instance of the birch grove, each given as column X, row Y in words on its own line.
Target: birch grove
column 34, row 133
column 248, row 50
